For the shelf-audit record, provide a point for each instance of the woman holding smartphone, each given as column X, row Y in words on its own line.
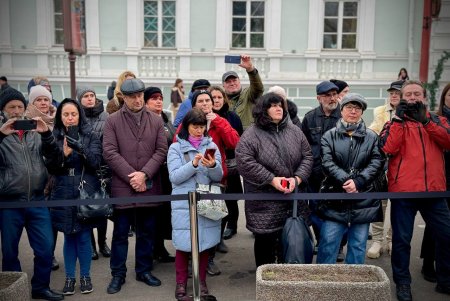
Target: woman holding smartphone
column 188, row 166
column 79, row 157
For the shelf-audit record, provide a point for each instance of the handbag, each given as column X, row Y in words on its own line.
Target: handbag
column 212, row 209
column 231, row 166
column 89, row 212
column 296, row 239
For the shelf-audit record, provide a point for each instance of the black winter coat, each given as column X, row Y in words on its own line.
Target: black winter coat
column 261, row 154
column 356, row 157
column 67, row 173
column 314, row 125
column 96, row 117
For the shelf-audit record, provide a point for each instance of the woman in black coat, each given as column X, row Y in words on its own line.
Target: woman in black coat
column 351, row 160
column 78, row 159
column 272, row 152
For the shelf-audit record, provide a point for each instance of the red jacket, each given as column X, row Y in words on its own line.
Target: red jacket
column 416, row 154
column 223, row 135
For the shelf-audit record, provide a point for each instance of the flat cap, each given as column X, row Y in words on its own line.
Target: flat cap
column 201, row 84
column 325, row 87
column 355, row 98
column 131, row 86
column 396, row 86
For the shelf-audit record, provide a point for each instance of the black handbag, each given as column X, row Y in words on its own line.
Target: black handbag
column 92, row 212
column 296, row 239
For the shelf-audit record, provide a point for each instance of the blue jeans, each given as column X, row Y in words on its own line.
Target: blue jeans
column 330, row 240
column 436, row 214
column 79, row 246
column 144, row 220
column 38, row 225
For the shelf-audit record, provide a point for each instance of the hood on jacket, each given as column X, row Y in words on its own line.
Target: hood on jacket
column 83, row 124
column 262, row 118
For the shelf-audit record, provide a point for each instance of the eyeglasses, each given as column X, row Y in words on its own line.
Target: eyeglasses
column 351, row 108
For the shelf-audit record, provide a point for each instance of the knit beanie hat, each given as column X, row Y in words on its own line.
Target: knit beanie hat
column 82, row 90
column 11, row 94
column 38, row 91
column 197, row 93
column 148, row 92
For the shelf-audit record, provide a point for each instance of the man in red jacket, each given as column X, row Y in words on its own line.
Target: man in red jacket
column 414, row 142
column 135, row 147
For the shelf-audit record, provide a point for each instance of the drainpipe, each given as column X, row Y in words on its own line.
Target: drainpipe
column 425, row 47
column 411, row 36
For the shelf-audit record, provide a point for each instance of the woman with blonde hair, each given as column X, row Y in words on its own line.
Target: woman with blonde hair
column 116, row 103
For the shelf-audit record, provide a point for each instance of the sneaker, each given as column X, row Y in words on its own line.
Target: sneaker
column 86, row 285
column 341, row 255
column 404, row 292
column 69, row 287
column 375, row 250
column 212, row 268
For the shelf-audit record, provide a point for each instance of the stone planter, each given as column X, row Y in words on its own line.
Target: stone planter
column 14, row 286
column 331, row 282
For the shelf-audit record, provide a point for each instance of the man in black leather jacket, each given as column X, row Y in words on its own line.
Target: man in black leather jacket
column 22, row 179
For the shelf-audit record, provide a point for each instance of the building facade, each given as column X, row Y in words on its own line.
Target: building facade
column 294, row 43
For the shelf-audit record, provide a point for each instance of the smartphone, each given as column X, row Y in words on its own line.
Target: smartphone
column 25, row 124
column 232, row 59
column 72, row 131
column 285, row 183
column 211, row 152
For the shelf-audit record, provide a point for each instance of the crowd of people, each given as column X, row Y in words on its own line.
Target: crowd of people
column 130, row 147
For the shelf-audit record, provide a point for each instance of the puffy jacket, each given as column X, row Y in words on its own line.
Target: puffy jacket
column 22, row 171
column 264, row 153
column 128, row 148
column 416, row 154
column 356, row 157
column 242, row 102
column 67, row 173
column 184, row 177
column 96, row 116
column 314, row 125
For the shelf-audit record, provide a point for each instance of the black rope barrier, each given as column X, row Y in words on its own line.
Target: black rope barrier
column 226, row 196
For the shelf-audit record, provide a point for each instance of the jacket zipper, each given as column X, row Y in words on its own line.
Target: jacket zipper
column 424, row 158
column 28, row 165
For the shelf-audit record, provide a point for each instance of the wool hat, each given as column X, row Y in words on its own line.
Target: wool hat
column 200, row 84
column 150, row 91
column 356, row 98
column 38, row 91
column 197, row 93
column 228, row 74
column 10, row 94
column 131, row 86
column 3, row 78
column 278, row 90
column 340, row 84
column 83, row 90
column 325, row 87
column 396, row 86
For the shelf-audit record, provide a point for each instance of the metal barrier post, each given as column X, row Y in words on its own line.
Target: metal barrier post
column 193, row 197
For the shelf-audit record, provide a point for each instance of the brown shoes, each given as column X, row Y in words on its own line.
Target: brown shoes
column 180, row 291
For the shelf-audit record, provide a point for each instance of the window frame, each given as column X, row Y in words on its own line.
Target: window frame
column 160, row 31
column 54, row 35
column 340, row 21
column 248, row 18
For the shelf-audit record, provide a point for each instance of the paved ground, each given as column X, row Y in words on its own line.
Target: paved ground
column 237, row 281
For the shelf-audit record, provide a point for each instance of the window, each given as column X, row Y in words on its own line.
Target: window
column 248, row 24
column 59, row 22
column 340, row 25
column 159, row 23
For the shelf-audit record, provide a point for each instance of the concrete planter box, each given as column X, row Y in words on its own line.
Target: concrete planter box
column 331, row 282
column 14, row 286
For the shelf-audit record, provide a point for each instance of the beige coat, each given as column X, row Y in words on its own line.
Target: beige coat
column 381, row 114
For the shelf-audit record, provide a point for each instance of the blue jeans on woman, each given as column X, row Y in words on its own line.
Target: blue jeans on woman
column 330, row 240
column 79, row 246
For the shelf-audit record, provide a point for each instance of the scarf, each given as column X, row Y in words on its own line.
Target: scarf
column 351, row 127
column 195, row 141
column 32, row 111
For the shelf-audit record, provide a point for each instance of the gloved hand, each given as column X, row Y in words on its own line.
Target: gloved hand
column 74, row 144
column 420, row 113
column 401, row 109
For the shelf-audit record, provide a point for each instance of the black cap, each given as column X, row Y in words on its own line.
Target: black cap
column 10, row 94
column 3, row 78
column 131, row 86
column 150, row 91
column 201, row 84
column 396, row 86
column 340, row 84
column 197, row 93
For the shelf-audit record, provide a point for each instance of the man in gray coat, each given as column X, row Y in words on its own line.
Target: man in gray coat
column 135, row 147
